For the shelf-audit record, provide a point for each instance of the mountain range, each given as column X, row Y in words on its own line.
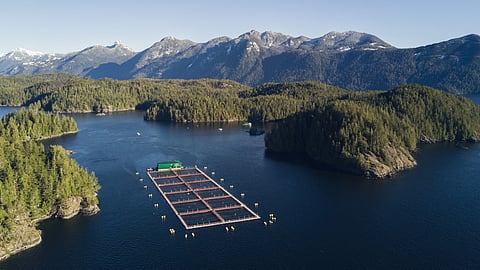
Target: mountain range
column 350, row 60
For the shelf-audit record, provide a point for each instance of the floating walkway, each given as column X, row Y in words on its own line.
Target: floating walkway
column 197, row 200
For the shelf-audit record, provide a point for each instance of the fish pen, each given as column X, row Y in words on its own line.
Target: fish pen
column 196, row 199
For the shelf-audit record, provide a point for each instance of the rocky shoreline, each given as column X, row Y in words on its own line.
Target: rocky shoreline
column 370, row 165
column 56, row 136
column 29, row 236
column 19, row 246
column 401, row 160
column 72, row 207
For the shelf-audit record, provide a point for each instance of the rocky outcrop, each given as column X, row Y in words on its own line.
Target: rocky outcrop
column 69, row 208
column 400, row 159
column 73, row 206
column 25, row 234
column 90, row 210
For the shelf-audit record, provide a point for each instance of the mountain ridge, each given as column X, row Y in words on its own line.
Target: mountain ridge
column 352, row 60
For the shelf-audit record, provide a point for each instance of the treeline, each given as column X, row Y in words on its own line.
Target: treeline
column 168, row 100
column 34, row 124
column 368, row 132
column 223, row 107
column 13, row 89
column 67, row 93
column 374, row 133
column 35, row 181
column 265, row 103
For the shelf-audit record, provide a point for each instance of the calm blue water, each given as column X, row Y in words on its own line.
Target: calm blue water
column 425, row 218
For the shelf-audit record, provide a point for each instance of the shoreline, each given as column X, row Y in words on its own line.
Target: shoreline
column 23, row 247
column 3, row 105
column 105, row 112
column 24, row 233
column 57, row 135
column 38, row 238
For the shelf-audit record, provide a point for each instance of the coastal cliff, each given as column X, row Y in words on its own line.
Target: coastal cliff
column 73, row 206
column 400, row 158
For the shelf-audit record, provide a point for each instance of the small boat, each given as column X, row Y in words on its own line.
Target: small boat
column 220, row 129
column 247, row 124
column 138, row 133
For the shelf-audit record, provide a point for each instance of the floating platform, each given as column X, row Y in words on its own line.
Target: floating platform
column 197, row 200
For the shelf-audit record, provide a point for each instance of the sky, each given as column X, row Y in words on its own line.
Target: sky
column 61, row 26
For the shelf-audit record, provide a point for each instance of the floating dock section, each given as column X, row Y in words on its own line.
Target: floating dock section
column 197, row 200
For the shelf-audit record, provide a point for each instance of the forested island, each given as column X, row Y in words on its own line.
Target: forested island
column 373, row 133
column 38, row 182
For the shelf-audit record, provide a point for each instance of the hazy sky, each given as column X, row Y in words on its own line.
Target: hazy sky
column 71, row 25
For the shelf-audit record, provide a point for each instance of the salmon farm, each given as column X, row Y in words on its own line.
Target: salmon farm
column 196, row 199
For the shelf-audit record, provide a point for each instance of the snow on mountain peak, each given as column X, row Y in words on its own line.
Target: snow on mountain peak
column 345, row 41
column 266, row 39
column 21, row 54
column 119, row 45
column 28, row 52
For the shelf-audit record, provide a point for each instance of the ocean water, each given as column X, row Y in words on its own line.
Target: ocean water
column 424, row 218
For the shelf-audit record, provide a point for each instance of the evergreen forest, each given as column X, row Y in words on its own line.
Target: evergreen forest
column 36, row 180
column 375, row 133
column 368, row 132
